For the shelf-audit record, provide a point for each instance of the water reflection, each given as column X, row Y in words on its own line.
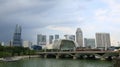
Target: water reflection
column 38, row 62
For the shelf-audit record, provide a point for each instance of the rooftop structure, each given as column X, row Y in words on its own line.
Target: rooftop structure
column 64, row 44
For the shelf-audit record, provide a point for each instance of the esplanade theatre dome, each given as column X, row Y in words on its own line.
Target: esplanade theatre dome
column 64, row 44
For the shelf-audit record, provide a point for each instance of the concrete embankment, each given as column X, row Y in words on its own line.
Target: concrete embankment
column 31, row 56
column 27, row 56
column 1, row 59
column 21, row 57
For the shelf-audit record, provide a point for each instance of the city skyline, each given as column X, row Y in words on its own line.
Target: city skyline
column 59, row 17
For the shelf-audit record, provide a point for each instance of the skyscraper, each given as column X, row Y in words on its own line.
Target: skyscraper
column 17, row 41
column 79, row 37
column 103, row 40
column 51, row 39
column 41, row 39
column 56, row 36
column 89, row 42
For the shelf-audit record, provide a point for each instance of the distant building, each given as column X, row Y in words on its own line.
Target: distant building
column 48, row 46
column 89, row 42
column 41, row 39
column 17, row 41
column 10, row 43
column 70, row 37
column 51, row 39
column 103, row 40
column 79, row 37
column 27, row 44
column 56, row 36
column 36, row 47
column 2, row 43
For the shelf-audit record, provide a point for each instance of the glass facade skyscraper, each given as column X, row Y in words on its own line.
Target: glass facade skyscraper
column 17, row 41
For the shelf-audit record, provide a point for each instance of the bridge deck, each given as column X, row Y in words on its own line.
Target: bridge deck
column 65, row 52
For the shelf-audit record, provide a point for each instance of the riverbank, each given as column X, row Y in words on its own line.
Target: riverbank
column 21, row 57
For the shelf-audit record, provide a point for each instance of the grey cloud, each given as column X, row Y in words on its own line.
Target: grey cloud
column 35, row 14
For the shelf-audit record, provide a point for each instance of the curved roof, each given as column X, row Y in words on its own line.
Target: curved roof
column 63, row 43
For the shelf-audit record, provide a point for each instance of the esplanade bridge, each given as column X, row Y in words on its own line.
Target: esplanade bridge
column 67, row 49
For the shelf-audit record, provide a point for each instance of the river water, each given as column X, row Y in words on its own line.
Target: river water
column 40, row 62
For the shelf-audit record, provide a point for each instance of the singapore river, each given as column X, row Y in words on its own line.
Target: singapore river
column 40, row 62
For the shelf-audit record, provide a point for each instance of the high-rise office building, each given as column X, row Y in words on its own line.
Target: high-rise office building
column 103, row 40
column 51, row 39
column 79, row 37
column 41, row 39
column 17, row 41
column 56, row 37
column 89, row 42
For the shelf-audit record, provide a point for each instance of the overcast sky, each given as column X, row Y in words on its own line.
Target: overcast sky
column 59, row 17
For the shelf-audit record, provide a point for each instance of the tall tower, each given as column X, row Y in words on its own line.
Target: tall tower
column 17, row 41
column 103, row 40
column 79, row 37
column 41, row 39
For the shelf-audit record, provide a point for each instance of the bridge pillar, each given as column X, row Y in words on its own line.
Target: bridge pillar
column 74, row 56
column 45, row 56
column 57, row 56
column 102, row 58
column 119, row 54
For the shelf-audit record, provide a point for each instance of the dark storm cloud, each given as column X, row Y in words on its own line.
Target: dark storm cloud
column 35, row 14
column 21, row 12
